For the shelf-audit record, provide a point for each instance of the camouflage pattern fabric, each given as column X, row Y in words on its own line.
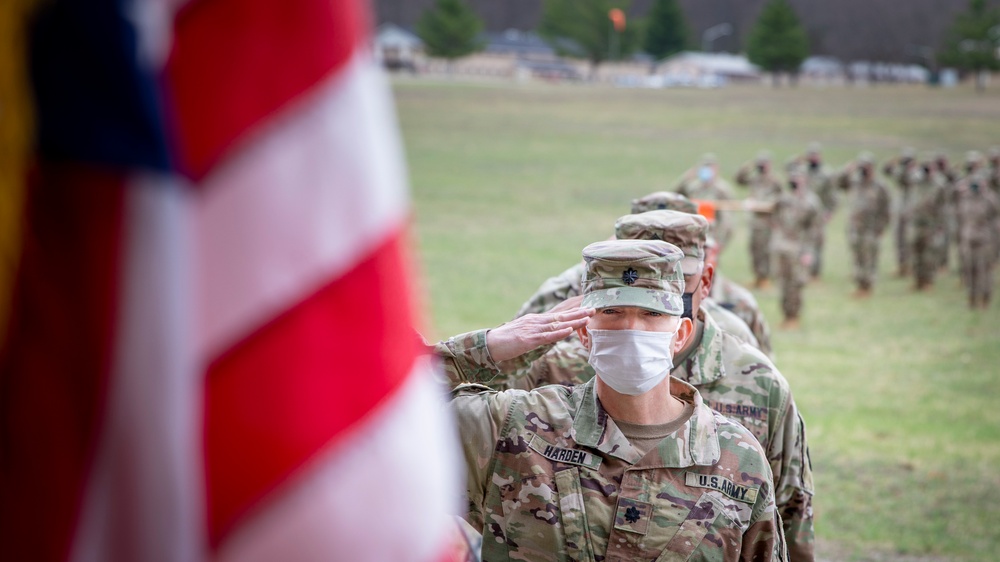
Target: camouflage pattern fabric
column 763, row 188
column 868, row 216
column 905, row 173
column 552, row 477
column 740, row 301
column 820, row 180
column 729, row 322
column 796, row 222
column 732, row 377
column 642, row 273
column 926, row 236
column 978, row 212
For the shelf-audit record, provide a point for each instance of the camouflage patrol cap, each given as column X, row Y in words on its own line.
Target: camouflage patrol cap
column 993, row 153
column 708, row 159
column 763, row 156
column 814, row 148
column 664, row 200
column 686, row 231
column 866, row 158
column 908, row 152
column 642, row 273
column 973, row 156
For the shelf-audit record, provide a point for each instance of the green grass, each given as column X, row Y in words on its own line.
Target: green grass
column 900, row 392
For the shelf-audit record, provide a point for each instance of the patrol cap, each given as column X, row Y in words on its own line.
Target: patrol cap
column 686, row 231
column 973, row 156
column 908, row 152
column 866, row 158
column 993, row 152
column 664, row 200
column 642, row 273
column 708, row 159
column 763, row 156
column 814, row 148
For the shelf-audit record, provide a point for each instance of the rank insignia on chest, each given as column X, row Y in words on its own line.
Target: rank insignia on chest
column 745, row 494
column 632, row 516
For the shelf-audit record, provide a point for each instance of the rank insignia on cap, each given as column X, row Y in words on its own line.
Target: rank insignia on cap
column 629, row 276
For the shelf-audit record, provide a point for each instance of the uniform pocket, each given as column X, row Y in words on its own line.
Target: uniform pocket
column 573, row 515
column 704, row 531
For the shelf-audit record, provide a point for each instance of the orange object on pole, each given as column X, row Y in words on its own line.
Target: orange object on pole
column 706, row 209
column 617, row 19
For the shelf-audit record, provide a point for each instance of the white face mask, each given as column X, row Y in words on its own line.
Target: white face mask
column 631, row 361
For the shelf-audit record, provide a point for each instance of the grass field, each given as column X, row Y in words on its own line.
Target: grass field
column 901, row 393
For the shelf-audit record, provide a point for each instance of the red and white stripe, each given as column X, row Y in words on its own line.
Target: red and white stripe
column 265, row 394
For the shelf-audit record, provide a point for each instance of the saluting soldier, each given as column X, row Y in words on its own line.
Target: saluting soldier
column 819, row 179
column 927, row 233
column 978, row 211
column 632, row 465
column 797, row 221
column 734, row 378
column 904, row 172
column 704, row 182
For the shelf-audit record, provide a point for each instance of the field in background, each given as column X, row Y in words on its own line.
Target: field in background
column 900, row 393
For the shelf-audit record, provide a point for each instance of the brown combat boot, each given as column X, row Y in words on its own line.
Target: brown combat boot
column 762, row 283
column 862, row 293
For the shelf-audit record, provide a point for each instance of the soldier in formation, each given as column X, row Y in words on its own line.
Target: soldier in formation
column 704, row 183
column 905, row 173
column 764, row 189
column 868, row 215
column 734, row 378
column 978, row 211
column 819, row 179
column 797, row 220
column 926, row 235
column 630, row 465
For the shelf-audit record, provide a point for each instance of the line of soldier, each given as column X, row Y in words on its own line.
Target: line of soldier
column 937, row 207
column 630, row 410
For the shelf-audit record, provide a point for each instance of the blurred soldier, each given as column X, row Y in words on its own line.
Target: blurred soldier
column 904, row 172
column 738, row 300
column 927, row 233
column 820, row 181
column 946, row 175
column 797, row 220
column 733, row 377
column 979, row 233
column 764, row 189
column 868, row 215
column 674, row 480
column 704, row 183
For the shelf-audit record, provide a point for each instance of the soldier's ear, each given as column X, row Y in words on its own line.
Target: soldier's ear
column 707, row 276
column 685, row 331
column 584, row 336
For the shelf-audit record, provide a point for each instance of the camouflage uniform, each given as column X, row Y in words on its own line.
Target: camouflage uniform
column 979, row 219
column 925, row 215
column 740, row 301
column 714, row 189
column 552, row 476
column 734, row 379
column 904, row 172
column 766, row 189
column 993, row 169
column 729, row 322
column 819, row 179
column 946, row 176
column 797, row 222
column 868, row 215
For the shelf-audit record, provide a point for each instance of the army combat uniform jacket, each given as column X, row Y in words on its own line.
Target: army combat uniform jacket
column 732, row 377
column 551, row 477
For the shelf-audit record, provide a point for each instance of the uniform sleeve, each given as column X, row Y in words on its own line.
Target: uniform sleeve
column 764, row 538
column 480, row 414
column 788, row 453
column 466, row 359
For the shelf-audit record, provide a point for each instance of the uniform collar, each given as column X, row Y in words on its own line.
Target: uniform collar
column 694, row 443
column 703, row 363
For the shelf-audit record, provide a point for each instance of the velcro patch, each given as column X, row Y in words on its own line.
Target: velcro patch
column 560, row 454
column 746, row 494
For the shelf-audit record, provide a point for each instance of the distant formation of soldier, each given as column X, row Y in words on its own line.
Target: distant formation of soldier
column 935, row 211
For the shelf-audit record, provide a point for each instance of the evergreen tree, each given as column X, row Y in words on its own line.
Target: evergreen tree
column 449, row 30
column 778, row 43
column 666, row 30
column 973, row 41
column 583, row 29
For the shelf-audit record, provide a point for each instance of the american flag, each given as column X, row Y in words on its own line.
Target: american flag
column 211, row 350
